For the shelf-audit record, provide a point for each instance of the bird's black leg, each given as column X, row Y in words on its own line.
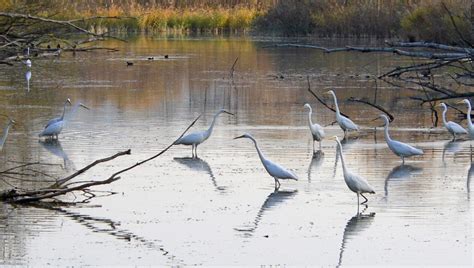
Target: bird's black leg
column 196, row 149
column 403, row 160
column 364, row 198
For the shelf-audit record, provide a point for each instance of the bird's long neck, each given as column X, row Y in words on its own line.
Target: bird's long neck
column 309, row 116
column 444, row 115
column 387, row 136
column 335, row 103
column 64, row 111
column 339, row 146
column 5, row 134
column 211, row 127
column 260, row 154
column 469, row 122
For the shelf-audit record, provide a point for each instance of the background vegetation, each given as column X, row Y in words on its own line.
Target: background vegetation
column 407, row 19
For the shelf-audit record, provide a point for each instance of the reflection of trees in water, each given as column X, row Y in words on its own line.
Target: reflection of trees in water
column 54, row 147
column 200, row 165
column 316, row 162
column 399, row 173
column 17, row 226
column 354, row 227
column 271, row 202
column 106, row 226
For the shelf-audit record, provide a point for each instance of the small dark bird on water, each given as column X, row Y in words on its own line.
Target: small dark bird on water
column 129, row 63
column 151, row 58
column 166, row 56
column 58, row 46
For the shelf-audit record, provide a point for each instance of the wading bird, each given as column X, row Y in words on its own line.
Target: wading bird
column 10, row 123
column 470, row 127
column 355, row 183
column 345, row 123
column 57, row 119
column 198, row 137
column 399, row 148
column 275, row 170
column 52, row 130
column 316, row 130
column 453, row 128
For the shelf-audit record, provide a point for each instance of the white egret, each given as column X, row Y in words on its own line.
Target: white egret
column 57, row 119
column 470, row 126
column 345, row 123
column 10, row 123
column 52, row 130
column 453, row 128
column 316, row 130
column 28, row 63
column 275, row 170
column 399, row 148
column 355, row 183
column 198, row 137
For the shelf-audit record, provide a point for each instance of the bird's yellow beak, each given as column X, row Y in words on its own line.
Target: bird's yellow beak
column 327, row 92
column 439, row 104
column 459, row 102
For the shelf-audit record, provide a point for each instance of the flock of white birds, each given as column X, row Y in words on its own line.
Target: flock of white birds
column 355, row 183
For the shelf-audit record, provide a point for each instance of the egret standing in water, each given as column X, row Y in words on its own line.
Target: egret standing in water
column 316, row 130
column 453, row 128
column 399, row 148
column 345, row 123
column 276, row 171
column 198, row 137
column 57, row 119
column 470, row 127
column 56, row 125
column 355, row 183
column 10, row 123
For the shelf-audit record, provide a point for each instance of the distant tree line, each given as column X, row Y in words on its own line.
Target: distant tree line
column 430, row 20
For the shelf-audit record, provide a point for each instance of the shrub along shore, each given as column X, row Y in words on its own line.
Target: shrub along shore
column 431, row 20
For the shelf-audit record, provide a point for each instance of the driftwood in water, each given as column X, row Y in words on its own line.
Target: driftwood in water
column 64, row 186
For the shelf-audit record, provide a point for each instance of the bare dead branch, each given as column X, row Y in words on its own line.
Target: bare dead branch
column 376, row 106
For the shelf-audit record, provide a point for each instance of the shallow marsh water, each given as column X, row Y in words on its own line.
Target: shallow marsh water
column 221, row 208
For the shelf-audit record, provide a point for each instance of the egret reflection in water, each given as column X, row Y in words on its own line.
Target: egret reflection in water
column 469, row 175
column 354, row 227
column 316, row 161
column 54, row 147
column 399, row 173
column 272, row 201
column 451, row 147
column 28, row 77
column 200, row 165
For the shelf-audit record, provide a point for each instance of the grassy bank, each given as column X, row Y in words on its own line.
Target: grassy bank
column 406, row 19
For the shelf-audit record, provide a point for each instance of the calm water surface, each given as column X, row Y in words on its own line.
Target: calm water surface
column 221, row 208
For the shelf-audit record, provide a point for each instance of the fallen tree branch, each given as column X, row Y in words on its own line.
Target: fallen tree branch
column 13, row 196
column 376, row 106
